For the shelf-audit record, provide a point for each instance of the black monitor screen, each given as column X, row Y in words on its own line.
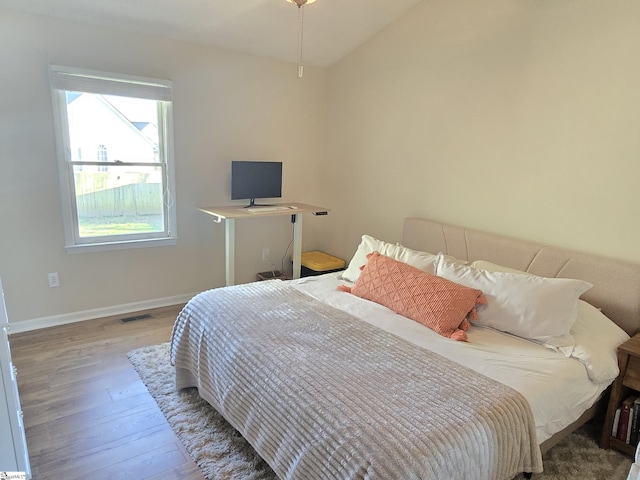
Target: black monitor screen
column 251, row 180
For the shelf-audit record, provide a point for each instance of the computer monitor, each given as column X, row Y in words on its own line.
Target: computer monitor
column 251, row 180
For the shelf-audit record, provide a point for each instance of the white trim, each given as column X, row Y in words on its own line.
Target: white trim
column 127, row 245
column 56, row 320
column 106, row 83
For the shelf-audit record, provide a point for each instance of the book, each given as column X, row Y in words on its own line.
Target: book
column 616, row 420
column 625, row 412
column 635, row 422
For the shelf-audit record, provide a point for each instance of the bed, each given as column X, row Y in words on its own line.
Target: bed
column 326, row 383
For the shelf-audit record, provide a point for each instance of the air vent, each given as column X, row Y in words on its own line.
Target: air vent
column 135, row 317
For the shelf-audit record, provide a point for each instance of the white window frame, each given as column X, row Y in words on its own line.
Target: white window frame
column 63, row 79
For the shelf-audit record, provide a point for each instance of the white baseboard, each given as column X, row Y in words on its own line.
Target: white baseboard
column 55, row 320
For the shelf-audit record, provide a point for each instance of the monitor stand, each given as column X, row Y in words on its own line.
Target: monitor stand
column 252, row 203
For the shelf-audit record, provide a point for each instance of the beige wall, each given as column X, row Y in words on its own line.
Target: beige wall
column 517, row 117
column 226, row 106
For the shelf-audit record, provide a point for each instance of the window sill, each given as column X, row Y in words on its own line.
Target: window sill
column 105, row 247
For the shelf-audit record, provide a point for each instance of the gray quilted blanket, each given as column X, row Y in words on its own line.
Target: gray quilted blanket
column 322, row 394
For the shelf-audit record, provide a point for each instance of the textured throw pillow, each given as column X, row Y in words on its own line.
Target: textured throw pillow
column 439, row 304
column 536, row 308
column 420, row 260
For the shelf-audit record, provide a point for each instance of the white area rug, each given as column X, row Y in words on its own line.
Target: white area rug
column 221, row 453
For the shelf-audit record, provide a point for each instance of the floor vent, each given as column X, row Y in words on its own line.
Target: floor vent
column 135, row 317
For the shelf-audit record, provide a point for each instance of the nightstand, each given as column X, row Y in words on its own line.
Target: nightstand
column 628, row 382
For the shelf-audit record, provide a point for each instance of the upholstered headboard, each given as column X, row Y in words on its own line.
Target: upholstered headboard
column 616, row 284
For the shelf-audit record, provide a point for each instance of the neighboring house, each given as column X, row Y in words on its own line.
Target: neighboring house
column 102, row 139
column 115, row 133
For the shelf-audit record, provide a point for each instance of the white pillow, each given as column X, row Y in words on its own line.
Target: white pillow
column 536, row 308
column 421, row 260
column 597, row 340
column 596, row 336
column 494, row 267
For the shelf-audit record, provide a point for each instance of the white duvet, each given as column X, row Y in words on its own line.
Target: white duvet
column 558, row 389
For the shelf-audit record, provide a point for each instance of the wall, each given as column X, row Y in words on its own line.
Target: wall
column 517, row 117
column 226, row 106
column 520, row 118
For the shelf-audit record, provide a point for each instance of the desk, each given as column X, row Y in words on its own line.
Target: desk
column 231, row 213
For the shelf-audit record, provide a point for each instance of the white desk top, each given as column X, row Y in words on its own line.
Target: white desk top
column 239, row 211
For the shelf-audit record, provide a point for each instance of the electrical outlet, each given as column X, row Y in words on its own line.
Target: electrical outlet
column 265, row 254
column 54, row 279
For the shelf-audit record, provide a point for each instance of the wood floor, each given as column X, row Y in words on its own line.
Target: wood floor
column 86, row 412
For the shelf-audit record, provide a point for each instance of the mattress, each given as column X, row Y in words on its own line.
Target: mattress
column 557, row 388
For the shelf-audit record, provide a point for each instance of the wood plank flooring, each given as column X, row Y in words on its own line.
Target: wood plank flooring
column 87, row 414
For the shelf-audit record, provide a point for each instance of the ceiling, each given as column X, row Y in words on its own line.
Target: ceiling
column 332, row 28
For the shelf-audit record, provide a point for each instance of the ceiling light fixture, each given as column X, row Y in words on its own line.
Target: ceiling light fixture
column 300, row 4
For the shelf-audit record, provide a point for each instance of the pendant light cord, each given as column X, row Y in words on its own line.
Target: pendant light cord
column 300, row 37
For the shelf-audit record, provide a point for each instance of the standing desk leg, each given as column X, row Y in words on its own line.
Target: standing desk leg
column 230, row 247
column 297, row 245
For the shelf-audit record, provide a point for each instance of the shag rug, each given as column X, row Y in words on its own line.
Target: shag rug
column 221, row 453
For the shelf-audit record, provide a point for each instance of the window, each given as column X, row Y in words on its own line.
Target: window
column 102, row 157
column 115, row 159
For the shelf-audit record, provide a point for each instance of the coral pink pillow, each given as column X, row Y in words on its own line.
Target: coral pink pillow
column 435, row 302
